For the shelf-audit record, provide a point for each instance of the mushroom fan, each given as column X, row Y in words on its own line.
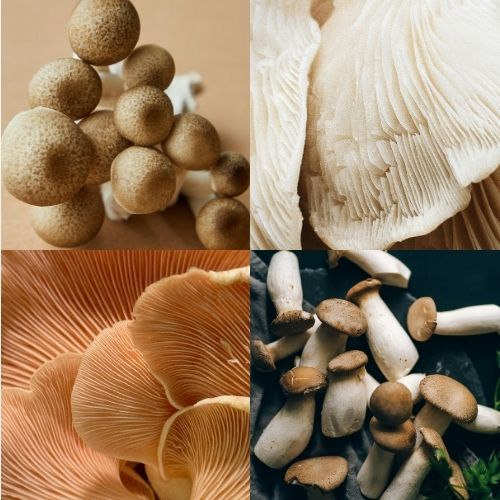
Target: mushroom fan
column 403, row 116
column 93, row 404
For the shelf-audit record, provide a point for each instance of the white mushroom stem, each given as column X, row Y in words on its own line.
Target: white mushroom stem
column 433, row 418
column 486, row 422
column 375, row 471
column 196, row 188
column 377, row 263
column 288, row 433
column 411, row 382
column 114, row 211
column 323, row 345
column 473, row 320
column 344, row 406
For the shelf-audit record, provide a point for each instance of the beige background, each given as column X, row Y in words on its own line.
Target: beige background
column 209, row 36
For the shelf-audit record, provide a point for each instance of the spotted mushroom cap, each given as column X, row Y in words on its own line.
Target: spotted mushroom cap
column 433, row 440
column 342, row 316
column 302, row 380
column 395, row 439
column 355, row 293
column 422, row 319
column 391, row 403
column 292, row 322
column 347, row 362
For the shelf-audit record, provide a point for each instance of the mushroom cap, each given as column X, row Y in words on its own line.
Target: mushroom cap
column 449, row 396
column 395, row 439
column 103, row 32
column 347, row 362
column 46, row 158
column 355, row 293
column 100, row 128
column 71, row 223
column 422, row 319
column 193, row 143
column 302, row 380
column 391, row 403
column 144, row 115
column 149, row 65
column 69, row 86
column 292, row 322
column 231, row 174
column 262, row 359
column 143, row 180
column 223, row 223
column 325, row 473
column 342, row 316
column 433, row 440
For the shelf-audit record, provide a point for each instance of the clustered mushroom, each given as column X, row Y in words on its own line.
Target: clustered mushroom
column 401, row 440
column 48, row 160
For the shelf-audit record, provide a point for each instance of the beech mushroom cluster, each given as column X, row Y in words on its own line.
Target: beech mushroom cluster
column 140, row 149
column 119, row 375
column 328, row 369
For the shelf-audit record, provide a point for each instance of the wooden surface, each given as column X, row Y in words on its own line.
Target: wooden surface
column 210, row 37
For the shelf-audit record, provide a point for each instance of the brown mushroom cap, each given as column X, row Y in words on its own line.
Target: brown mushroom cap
column 433, row 440
column 231, row 174
column 108, row 143
column 367, row 285
column 193, row 143
column 104, row 32
column 422, row 319
column 70, row 86
column 302, row 380
column 347, row 362
column 342, row 316
column 224, row 223
column 261, row 357
column 292, row 322
column 393, row 439
column 71, row 223
column 391, row 403
column 143, row 180
column 46, row 158
column 325, row 473
column 449, row 396
column 149, row 65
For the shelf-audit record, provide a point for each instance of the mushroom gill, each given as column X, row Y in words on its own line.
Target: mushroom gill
column 119, row 408
column 193, row 331
column 56, row 302
column 42, row 455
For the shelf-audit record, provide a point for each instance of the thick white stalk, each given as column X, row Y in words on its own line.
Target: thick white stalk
column 486, row 422
column 196, row 204
column 370, row 385
column 433, row 418
column 284, row 283
column 196, row 184
column 322, row 347
column 375, row 472
column 286, row 346
column 473, row 320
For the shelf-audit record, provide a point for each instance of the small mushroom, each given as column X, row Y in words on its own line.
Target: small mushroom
column 424, row 320
column 340, row 319
column 344, row 406
column 285, row 289
column 374, row 474
column 390, row 345
column 230, row 176
column 410, row 381
column 289, row 432
column 320, row 475
column 486, row 422
column 457, row 480
column 391, row 403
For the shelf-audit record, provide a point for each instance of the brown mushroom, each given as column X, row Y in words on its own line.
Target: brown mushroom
column 230, row 176
column 391, row 403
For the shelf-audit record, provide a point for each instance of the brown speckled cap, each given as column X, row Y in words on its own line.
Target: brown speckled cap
column 391, row 403
column 422, row 319
column 324, row 473
column 262, row 359
column 302, row 380
column 347, row 362
column 361, row 288
column 231, row 174
column 292, row 323
column 449, row 396
column 393, row 439
column 433, row 439
column 342, row 316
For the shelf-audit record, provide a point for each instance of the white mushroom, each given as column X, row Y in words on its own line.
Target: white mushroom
column 411, row 382
column 486, row 422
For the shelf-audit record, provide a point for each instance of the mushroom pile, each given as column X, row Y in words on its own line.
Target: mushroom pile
column 126, row 376
column 142, row 154
column 330, row 377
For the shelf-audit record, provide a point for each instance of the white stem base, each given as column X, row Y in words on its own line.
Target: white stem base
column 114, row 211
column 322, row 347
column 286, row 346
column 486, row 422
column 473, row 320
column 375, row 472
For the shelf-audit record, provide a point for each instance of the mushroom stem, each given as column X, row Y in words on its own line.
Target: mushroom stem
column 410, row 381
column 284, row 283
column 196, row 188
column 473, row 320
column 433, row 418
column 370, row 384
column 323, row 345
column 196, row 204
column 375, row 471
column 114, row 211
column 486, row 422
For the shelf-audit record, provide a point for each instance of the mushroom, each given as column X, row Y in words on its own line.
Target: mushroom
column 71, row 223
column 457, row 480
column 424, row 320
column 289, row 432
column 390, row 345
column 285, row 289
column 411, row 382
column 171, row 488
column 69, row 86
column 486, row 422
column 377, row 263
column 320, row 475
column 144, row 115
column 143, row 180
column 391, row 403
column 149, row 65
column 230, row 176
column 104, row 32
column 339, row 320
column 46, row 158
column 374, row 474
column 344, row 406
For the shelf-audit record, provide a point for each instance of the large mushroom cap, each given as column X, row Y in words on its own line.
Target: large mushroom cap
column 324, row 473
column 395, row 439
column 347, row 362
column 391, row 403
column 261, row 357
column 359, row 289
column 422, row 319
column 302, row 380
column 342, row 316
column 449, row 396
column 292, row 322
